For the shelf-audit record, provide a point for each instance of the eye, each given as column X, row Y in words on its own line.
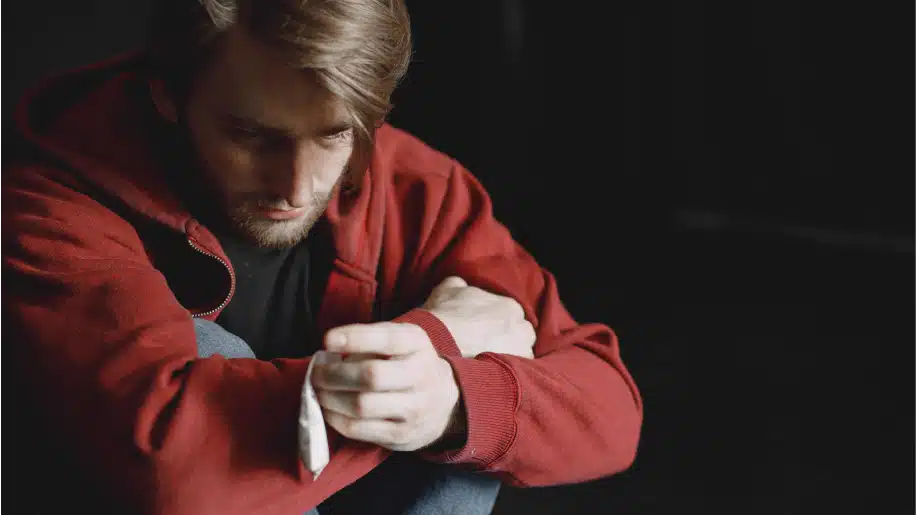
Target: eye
column 340, row 136
column 243, row 133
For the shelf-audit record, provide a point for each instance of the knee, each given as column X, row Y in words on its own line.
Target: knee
column 213, row 339
column 475, row 493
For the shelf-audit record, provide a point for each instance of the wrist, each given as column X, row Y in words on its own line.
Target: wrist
column 438, row 332
column 454, row 436
column 458, row 424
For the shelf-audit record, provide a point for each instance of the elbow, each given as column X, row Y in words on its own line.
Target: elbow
column 629, row 433
column 590, row 455
column 626, row 450
column 630, row 436
column 622, row 447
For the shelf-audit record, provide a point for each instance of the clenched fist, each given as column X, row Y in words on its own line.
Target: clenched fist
column 392, row 390
column 480, row 321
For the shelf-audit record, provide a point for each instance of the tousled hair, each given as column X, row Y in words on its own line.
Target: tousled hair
column 357, row 49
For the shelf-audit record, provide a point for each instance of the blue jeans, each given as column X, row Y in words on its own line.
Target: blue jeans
column 402, row 485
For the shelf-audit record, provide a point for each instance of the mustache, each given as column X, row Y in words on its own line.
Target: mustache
column 259, row 202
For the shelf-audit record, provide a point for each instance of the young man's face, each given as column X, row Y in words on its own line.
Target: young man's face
column 272, row 142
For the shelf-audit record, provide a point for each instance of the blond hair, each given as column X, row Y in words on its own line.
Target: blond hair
column 357, row 49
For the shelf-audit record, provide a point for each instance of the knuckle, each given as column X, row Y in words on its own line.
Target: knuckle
column 350, row 428
column 318, row 376
column 339, row 423
column 323, row 377
column 322, row 397
column 371, row 375
column 360, row 405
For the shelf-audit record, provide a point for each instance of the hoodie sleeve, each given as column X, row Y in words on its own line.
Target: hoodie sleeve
column 571, row 414
column 112, row 359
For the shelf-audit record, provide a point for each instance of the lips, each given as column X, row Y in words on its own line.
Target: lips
column 279, row 214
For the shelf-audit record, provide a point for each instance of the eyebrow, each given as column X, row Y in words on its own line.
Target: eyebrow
column 244, row 121
column 251, row 123
column 336, row 128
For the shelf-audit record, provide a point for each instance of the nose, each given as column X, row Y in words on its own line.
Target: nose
column 294, row 179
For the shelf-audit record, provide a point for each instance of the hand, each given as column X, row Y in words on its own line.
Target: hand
column 393, row 389
column 481, row 321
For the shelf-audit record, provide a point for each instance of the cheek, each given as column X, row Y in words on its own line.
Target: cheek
column 319, row 165
column 231, row 167
column 333, row 166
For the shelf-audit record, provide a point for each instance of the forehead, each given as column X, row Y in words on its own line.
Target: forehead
column 252, row 80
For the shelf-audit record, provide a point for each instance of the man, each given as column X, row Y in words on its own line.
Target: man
column 196, row 221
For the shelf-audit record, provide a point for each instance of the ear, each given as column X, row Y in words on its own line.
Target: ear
column 163, row 101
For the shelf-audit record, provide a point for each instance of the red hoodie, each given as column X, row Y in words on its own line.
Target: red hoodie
column 105, row 269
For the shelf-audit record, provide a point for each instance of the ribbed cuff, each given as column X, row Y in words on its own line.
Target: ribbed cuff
column 490, row 393
column 437, row 331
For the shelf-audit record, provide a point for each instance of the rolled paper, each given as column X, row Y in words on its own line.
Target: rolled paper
column 313, row 436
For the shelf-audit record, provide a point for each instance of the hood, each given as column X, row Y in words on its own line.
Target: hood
column 98, row 123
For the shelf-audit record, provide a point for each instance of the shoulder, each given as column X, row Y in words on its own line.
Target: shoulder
column 47, row 190
column 418, row 174
column 49, row 215
column 402, row 156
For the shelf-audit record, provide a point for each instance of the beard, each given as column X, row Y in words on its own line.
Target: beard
column 238, row 212
column 276, row 234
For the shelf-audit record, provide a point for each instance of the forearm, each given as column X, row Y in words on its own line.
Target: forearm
column 455, row 436
column 214, row 437
column 150, row 423
column 577, row 409
column 580, row 416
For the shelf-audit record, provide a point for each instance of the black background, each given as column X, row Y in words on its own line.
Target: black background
column 728, row 184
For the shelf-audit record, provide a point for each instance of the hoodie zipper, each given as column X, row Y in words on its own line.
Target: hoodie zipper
column 231, row 280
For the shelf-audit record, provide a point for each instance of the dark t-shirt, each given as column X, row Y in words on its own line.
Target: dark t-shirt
column 277, row 293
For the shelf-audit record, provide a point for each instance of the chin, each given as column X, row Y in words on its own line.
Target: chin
column 274, row 234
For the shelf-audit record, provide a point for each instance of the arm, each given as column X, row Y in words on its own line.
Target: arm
column 111, row 358
column 573, row 413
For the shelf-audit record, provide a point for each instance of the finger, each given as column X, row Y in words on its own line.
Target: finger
column 387, row 338
column 386, row 433
column 386, row 405
column 368, row 375
column 363, row 357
